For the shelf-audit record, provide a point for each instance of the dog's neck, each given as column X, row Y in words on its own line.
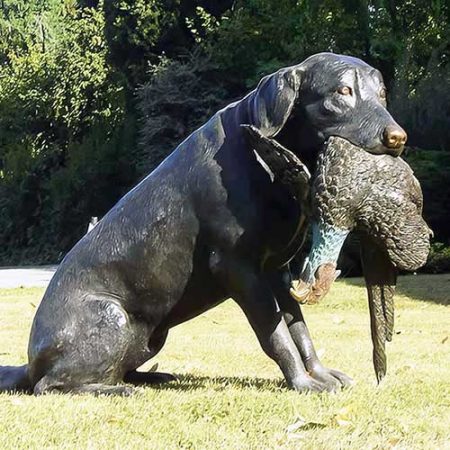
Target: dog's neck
column 298, row 136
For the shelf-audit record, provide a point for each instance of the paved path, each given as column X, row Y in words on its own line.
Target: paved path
column 39, row 276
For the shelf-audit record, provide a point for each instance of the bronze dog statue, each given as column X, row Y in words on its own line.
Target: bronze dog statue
column 206, row 225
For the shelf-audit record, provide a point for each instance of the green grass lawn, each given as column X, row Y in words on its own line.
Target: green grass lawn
column 230, row 395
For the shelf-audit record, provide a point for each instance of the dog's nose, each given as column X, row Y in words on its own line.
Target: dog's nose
column 394, row 137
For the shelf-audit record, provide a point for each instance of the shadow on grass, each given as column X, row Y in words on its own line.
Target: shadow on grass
column 423, row 287
column 188, row 382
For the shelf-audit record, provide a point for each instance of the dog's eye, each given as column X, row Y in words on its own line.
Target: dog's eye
column 383, row 93
column 344, row 90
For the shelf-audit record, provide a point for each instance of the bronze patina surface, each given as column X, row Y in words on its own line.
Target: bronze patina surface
column 208, row 224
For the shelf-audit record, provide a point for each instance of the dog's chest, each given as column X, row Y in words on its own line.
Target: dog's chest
column 285, row 226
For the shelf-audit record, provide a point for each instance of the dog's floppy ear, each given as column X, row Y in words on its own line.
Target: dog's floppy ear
column 271, row 103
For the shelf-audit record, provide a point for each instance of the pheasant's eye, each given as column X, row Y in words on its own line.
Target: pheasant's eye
column 344, row 90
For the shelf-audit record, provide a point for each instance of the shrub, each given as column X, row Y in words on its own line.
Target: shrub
column 432, row 169
column 180, row 96
column 438, row 260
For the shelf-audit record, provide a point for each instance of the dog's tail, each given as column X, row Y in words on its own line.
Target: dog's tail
column 14, row 379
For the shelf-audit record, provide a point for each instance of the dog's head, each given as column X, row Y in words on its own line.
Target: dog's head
column 326, row 95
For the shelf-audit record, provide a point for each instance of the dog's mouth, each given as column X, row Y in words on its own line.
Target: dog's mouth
column 381, row 149
column 375, row 149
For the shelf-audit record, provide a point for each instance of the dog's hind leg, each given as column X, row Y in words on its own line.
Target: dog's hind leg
column 91, row 353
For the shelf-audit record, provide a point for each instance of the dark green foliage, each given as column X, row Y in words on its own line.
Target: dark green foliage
column 64, row 134
column 432, row 168
column 180, row 96
column 134, row 30
column 44, row 214
column 425, row 110
column 139, row 31
column 261, row 36
column 439, row 259
column 95, row 93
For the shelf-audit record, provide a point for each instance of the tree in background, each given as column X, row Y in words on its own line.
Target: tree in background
column 138, row 32
column 95, row 93
column 60, row 109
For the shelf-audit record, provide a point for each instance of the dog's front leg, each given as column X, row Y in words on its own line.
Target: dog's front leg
column 298, row 330
column 253, row 294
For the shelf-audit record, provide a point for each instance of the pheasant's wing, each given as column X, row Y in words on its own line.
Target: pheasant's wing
column 283, row 164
